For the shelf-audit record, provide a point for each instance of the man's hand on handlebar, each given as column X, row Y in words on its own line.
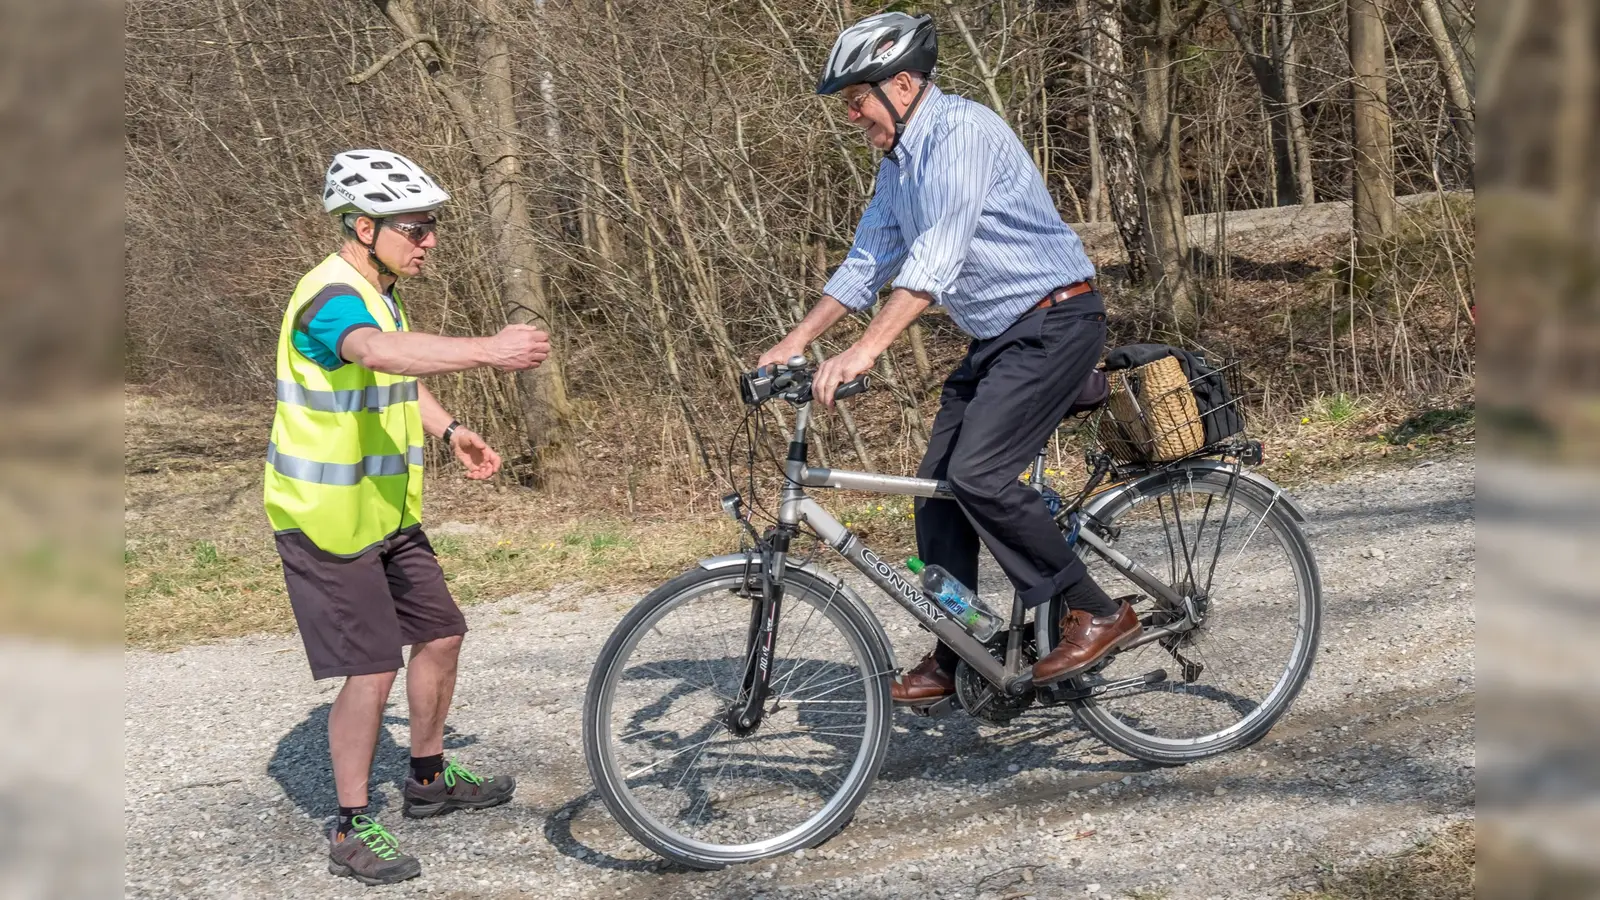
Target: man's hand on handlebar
column 838, row 370
column 793, row 383
column 781, row 352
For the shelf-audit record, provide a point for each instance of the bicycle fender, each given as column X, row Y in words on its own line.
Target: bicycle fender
column 1265, row 489
column 739, row 560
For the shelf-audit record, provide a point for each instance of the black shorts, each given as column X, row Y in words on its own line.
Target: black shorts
column 355, row 614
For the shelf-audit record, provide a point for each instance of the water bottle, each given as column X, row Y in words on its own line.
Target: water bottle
column 960, row 601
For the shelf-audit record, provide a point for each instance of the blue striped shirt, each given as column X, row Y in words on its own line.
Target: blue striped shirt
column 960, row 211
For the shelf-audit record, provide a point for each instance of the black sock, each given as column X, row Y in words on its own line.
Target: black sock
column 427, row 768
column 1089, row 597
column 346, row 813
column 947, row 658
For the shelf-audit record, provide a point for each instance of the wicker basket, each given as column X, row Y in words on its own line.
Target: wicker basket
column 1153, row 414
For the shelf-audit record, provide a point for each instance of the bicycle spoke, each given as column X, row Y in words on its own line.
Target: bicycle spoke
column 636, row 774
column 681, row 767
column 1246, row 643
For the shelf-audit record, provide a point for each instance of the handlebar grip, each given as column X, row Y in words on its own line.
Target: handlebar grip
column 853, row 387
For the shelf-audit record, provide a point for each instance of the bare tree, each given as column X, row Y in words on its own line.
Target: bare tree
column 490, row 123
column 1159, row 28
column 1372, row 194
column 1289, row 56
column 1113, row 106
column 1450, row 70
column 675, row 186
column 1267, row 66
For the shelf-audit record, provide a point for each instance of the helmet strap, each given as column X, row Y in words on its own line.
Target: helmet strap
column 372, row 249
column 899, row 120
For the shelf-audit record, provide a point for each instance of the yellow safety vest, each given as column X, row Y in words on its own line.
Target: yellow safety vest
column 344, row 465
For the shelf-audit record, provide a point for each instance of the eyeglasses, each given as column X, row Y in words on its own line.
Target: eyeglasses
column 854, row 105
column 417, row 232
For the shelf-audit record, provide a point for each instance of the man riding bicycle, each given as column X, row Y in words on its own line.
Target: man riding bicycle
column 961, row 217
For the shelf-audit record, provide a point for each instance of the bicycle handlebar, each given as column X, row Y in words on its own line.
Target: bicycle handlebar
column 793, row 384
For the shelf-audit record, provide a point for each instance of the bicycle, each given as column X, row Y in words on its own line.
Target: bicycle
column 778, row 742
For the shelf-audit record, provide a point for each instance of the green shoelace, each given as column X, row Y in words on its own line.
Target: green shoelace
column 377, row 838
column 452, row 771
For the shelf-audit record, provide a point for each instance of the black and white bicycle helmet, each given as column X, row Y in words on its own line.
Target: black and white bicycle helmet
column 860, row 55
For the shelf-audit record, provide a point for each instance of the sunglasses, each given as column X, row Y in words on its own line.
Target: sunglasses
column 416, row 232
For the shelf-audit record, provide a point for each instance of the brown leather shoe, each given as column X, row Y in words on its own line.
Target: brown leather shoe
column 1084, row 640
column 927, row 683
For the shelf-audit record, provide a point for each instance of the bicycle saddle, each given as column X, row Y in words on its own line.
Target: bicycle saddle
column 1091, row 396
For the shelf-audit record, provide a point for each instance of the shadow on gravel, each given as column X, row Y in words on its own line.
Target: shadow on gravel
column 1449, row 509
column 301, row 766
column 959, row 746
column 558, row 832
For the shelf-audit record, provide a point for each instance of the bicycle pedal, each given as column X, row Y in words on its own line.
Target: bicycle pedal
column 937, row 710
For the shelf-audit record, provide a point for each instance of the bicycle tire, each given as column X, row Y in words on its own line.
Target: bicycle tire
column 867, row 642
column 1103, row 722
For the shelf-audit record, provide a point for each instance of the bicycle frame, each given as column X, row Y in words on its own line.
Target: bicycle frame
column 795, row 508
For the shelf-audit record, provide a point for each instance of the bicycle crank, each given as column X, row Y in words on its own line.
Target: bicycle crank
column 983, row 700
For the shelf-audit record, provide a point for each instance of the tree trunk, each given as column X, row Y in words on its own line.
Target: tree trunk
column 1166, row 235
column 1575, row 119
column 1289, row 63
column 1113, row 103
column 1099, row 209
column 491, row 130
column 1373, row 206
column 1455, row 81
column 1268, row 73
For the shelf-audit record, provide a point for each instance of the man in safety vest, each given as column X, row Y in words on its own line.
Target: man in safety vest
column 344, row 493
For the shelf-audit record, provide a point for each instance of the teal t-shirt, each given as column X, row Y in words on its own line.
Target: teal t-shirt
column 330, row 317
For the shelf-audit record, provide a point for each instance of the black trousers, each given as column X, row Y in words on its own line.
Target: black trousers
column 998, row 408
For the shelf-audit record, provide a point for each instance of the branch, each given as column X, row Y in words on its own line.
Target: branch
column 394, row 54
column 1196, row 13
column 984, row 71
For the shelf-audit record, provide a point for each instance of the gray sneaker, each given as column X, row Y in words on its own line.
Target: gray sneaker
column 456, row 788
column 370, row 854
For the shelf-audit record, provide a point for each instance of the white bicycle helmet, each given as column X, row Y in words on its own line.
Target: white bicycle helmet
column 379, row 183
column 913, row 46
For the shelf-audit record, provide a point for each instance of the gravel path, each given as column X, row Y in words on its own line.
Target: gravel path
column 226, row 759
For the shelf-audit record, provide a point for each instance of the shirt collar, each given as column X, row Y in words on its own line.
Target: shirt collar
column 920, row 125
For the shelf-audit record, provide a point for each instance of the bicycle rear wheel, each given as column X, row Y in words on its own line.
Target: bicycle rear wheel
column 1241, row 556
column 656, row 731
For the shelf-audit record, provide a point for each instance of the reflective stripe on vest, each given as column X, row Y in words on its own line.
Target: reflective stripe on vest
column 342, row 474
column 372, row 399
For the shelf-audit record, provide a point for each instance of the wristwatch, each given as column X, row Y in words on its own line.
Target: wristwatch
column 449, row 431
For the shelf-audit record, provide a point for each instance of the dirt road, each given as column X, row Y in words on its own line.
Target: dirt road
column 226, row 758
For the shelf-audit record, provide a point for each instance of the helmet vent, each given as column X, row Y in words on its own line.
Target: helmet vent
column 379, row 183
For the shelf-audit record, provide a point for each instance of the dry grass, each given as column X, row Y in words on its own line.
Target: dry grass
column 1441, row 868
column 59, row 489
column 199, row 562
column 200, row 565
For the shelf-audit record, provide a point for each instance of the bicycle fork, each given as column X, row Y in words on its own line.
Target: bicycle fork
column 744, row 716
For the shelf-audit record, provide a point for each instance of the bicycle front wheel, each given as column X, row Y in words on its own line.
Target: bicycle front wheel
column 1238, row 553
column 656, row 726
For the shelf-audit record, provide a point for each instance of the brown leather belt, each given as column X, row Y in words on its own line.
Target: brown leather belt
column 1063, row 294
